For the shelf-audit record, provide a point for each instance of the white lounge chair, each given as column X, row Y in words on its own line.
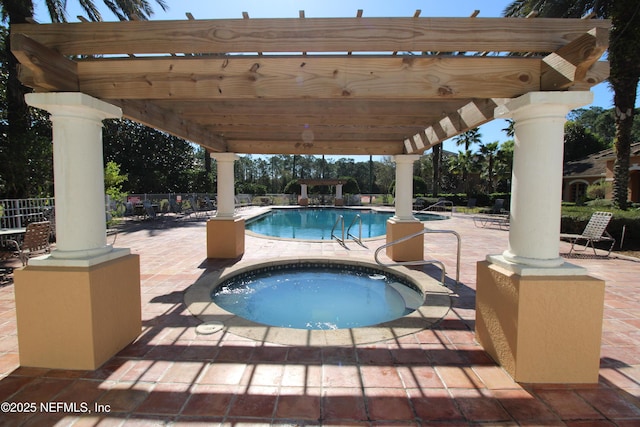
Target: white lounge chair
column 594, row 232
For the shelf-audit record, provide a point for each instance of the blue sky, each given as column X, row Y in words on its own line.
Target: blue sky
column 211, row 9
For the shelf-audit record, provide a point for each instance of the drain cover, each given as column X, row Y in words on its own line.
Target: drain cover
column 209, row 328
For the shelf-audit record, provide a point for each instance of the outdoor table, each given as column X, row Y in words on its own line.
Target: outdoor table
column 12, row 231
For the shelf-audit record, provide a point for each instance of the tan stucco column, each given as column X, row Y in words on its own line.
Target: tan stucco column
column 304, row 197
column 403, row 223
column 339, row 199
column 538, row 316
column 80, row 305
column 225, row 231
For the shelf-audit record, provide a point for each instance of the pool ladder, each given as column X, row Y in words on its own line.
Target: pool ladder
column 340, row 220
column 424, row 261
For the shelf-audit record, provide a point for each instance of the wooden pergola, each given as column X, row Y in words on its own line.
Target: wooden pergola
column 342, row 86
column 384, row 86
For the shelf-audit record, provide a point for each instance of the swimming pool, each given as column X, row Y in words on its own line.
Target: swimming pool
column 316, row 223
column 318, row 296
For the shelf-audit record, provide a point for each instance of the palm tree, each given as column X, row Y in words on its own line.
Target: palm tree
column 624, row 59
column 462, row 164
column 436, row 160
column 472, row 136
column 488, row 153
column 21, row 11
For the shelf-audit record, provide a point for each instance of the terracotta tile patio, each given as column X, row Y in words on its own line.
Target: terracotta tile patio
column 440, row 376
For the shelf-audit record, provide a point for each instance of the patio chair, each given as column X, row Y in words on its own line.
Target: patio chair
column 498, row 207
column 594, row 232
column 471, row 205
column 149, row 210
column 35, row 241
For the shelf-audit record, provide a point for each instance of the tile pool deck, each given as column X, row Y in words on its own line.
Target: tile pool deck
column 439, row 376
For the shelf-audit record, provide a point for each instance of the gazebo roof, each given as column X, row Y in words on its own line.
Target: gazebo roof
column 343, row 86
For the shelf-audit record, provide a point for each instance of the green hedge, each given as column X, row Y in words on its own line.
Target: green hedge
column 461, row 199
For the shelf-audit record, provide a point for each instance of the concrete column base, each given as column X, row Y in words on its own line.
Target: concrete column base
column 303, row 202
column 339, row 202
column 540, row 329
column 412, row 249
column 225, row 238
column 77, row 317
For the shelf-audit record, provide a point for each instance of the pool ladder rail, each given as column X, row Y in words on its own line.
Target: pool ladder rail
column 340, row 220
column 424, row 261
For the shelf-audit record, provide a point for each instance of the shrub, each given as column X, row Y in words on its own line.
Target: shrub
column 598, row 190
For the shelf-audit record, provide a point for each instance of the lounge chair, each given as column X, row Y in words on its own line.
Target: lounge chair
column 35, row 242
column 594, row 232
column 500, row 221
column 471, row 205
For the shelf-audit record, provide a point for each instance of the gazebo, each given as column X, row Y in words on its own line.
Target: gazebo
column 305, row 183
column 346, row 86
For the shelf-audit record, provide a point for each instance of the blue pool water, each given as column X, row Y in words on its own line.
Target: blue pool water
column 316, row 223
column 318, row 296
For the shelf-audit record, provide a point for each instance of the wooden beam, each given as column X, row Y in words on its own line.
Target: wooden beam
column 382, row 148
column 340, row 134
column 362, row 107
column 47, row 69
column 562, row 68
column 166, row 120
column 598, row 73
column 468, row 117
column 222, row 119
column 311, row 35
column 388, row 77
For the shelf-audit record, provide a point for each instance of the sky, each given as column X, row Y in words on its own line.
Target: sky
column 232, row 9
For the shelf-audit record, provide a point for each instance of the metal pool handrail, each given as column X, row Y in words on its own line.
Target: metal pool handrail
column 439, row 203
column 422, row 262
column 358, row 239
column 340, row 219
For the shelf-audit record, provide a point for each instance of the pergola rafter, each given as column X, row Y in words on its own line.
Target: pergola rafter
column 313, row 85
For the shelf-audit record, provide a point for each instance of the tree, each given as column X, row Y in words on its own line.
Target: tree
column 601, row 123
column 472, row 136
column 624, row 60
column 113, row 181
column 504, row 166
column 462, row 164
column 436, row 160
column 19, row 116
column 579, row 142
column 154, row 161
column 385, row 173
column 488, row 155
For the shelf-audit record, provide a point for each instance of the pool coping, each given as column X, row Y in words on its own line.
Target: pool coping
column 198, row 301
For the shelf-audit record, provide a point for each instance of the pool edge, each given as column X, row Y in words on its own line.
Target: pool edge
column 437, row 304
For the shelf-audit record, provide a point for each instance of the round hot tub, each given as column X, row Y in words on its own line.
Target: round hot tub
column 318, row 296
column 312, row 301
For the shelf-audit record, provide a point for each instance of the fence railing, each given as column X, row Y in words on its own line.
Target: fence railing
column 18, row 213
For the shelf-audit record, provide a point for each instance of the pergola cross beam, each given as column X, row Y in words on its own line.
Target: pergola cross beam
column 312, row 85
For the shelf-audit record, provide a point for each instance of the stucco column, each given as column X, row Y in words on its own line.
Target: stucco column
column 536, row 190
column 79, row 306
column 404, row 186
column 403, row 223
column 78, row 170
column 304, row 197
column 339, row 201
column 225, row 231
column 226, row 184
